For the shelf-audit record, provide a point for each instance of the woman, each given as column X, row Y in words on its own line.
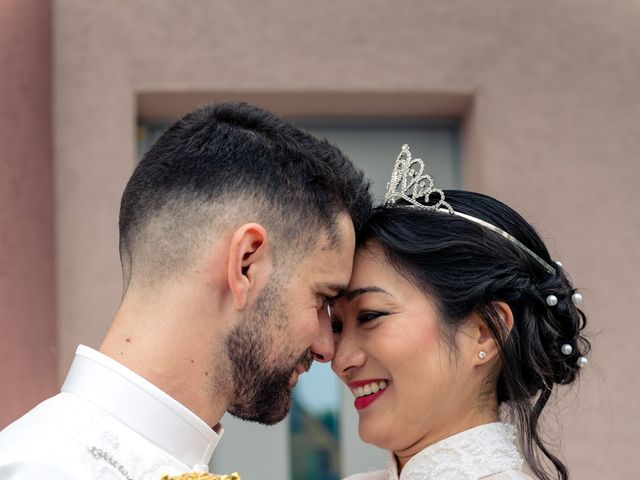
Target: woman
column 455, row 318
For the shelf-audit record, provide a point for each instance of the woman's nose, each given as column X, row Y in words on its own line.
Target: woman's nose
column 348, row 354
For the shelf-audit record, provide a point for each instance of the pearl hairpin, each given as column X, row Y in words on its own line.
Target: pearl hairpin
column 576, row 298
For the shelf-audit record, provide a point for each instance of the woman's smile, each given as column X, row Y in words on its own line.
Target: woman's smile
column 367, row 391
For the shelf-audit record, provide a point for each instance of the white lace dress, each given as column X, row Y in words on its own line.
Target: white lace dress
column 484, row 452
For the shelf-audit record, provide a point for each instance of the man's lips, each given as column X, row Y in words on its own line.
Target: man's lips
column 297, row 371
column 304, row 363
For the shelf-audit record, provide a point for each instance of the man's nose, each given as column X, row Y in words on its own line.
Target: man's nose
column 322, row 348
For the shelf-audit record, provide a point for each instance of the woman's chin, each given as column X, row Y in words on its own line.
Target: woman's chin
column 373, row 435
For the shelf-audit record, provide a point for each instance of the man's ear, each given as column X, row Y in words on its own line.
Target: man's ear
column 250, row 262
column 486, row 341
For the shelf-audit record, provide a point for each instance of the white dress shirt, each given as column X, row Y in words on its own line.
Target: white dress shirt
column 484, row 452
column 107, row 423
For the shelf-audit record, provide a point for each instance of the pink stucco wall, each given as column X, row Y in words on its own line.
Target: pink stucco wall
column 28, row 368
column 552, row 129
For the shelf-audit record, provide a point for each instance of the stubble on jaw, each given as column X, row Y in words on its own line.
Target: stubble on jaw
column 262, row 390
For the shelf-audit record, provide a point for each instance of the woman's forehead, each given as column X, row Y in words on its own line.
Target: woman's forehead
column 370, row 263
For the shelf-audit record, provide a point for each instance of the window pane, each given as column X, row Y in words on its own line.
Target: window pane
column 373, row 145
column 314, row 425
column 319, row 440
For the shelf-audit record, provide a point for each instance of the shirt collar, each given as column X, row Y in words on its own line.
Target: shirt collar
column 141, row 406
column 468, row 455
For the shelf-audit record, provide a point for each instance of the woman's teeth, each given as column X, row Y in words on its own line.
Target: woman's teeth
column 369, row 388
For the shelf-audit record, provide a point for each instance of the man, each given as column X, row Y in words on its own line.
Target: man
column 235, row 229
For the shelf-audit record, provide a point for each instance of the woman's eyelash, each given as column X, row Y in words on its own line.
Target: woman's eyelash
column 364, row 317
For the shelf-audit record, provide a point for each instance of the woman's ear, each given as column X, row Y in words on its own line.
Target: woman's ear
column 486, row 342
column 250, row 262
column 506, row 317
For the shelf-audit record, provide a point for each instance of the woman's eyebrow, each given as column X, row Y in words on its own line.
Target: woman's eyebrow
column 351, row 294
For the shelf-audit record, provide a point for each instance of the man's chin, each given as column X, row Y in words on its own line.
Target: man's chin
column 265, row 414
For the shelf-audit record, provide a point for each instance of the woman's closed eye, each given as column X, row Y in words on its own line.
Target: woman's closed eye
column 363, row 317
column 370, row 315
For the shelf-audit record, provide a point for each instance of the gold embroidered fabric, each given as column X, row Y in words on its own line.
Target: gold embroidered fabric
column 202, row 476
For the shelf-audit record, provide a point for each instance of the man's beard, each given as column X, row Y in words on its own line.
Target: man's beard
column 262, row 393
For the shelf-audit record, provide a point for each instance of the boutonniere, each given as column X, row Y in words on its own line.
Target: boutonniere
column 202, row 476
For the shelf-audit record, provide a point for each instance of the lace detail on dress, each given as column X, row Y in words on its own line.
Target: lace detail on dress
column 469, row 455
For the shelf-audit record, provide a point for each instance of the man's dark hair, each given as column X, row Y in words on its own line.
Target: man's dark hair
column 231, row 163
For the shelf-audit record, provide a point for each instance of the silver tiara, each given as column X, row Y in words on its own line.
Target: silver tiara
column 409, row 182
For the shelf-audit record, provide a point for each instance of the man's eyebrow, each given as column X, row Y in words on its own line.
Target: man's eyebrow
column 338, row 290
column 350, row 295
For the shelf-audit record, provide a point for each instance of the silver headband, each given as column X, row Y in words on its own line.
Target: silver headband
column 409, row 182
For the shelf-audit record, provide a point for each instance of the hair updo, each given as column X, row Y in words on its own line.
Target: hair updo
column 466, row 268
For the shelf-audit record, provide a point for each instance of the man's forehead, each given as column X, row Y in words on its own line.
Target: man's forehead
column 330, row 240
column 329, row 269
column 341, row 236
column 330, row 260
column 331, row 266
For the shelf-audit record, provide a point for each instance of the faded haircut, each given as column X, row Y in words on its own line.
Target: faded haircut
column 228, row 164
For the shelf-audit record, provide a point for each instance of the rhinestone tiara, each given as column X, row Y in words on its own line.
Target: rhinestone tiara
column 410, row 182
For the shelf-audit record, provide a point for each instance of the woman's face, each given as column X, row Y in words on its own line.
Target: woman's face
column 411, row 389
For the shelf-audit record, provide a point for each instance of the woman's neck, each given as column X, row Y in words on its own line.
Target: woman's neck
column 431, row 438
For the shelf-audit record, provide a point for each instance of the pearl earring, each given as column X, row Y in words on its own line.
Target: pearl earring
column 482, row 354
column 552, row 300
column 576, row 298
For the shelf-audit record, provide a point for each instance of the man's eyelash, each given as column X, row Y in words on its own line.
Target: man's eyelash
column 325, row 300
column 336, row 327
column 329, row 298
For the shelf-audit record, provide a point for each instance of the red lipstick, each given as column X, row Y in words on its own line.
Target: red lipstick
column 362, row 383
column 366, row 400
column 363, row 402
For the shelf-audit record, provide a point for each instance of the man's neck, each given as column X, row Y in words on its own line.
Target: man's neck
column 188, row 373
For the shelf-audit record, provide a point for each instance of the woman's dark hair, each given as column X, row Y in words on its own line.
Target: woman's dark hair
column 466, row 268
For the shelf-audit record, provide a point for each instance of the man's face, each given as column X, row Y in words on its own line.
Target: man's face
column 286, row 328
